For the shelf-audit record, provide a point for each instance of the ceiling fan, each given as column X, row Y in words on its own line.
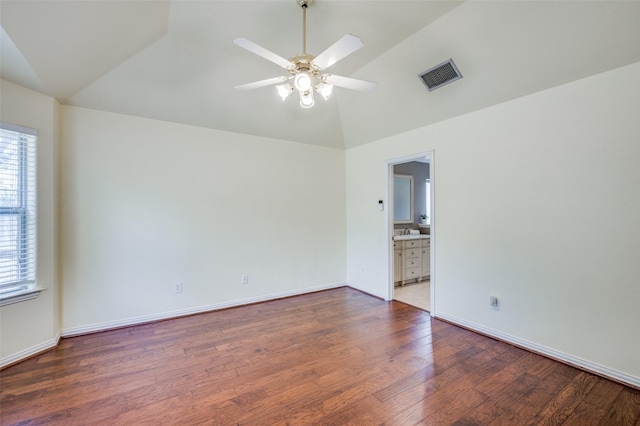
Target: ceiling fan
column 307, row 72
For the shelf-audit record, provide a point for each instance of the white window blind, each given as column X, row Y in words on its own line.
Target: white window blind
column 17, row 209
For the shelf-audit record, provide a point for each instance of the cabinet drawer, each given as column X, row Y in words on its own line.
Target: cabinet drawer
column 412, row 253
column 412, row 263
column 411, row 243
column 426, row 242
column 397, row 245
column 411, row 273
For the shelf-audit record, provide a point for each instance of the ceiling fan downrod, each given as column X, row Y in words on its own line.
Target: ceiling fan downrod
column 304, row 4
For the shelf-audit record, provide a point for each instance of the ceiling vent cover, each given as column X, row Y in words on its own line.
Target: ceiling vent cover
column 440, row 75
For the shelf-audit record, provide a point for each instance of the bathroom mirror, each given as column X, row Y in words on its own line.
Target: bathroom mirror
column 402, row 199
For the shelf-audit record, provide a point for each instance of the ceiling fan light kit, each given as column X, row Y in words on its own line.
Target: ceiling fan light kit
column 307, row 71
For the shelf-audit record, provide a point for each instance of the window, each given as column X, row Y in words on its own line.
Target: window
column 17, row 213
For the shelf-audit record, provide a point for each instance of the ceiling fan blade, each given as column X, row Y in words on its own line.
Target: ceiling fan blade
column 261, row 51
column 350, row 83
column 261, row 83
column 338, row 50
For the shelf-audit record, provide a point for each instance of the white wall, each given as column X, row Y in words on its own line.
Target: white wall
column 31, row 326
column 537, row 202
column 149, row 203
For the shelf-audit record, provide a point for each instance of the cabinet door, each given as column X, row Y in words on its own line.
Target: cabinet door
column 426, row 261
column 397, row 265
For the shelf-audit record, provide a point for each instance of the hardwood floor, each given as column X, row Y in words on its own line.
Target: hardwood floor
column 335, row 357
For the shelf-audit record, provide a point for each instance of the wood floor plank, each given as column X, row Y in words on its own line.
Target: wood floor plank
column 337, row 357
column 560, row 408
column 625, row 409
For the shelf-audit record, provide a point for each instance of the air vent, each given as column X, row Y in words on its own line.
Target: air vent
column 440, row 75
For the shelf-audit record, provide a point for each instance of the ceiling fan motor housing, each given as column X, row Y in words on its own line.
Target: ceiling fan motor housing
column 303, row 62
column 304, row 3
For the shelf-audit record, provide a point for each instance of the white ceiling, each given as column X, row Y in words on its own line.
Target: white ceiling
column 176, row 61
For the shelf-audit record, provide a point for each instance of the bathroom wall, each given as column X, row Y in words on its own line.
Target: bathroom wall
column 420, row 172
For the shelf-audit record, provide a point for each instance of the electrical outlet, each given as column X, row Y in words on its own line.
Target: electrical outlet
column 494, row 303
column 245, row 279
column 177, row 288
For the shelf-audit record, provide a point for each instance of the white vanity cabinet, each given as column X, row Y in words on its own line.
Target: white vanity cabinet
column 426, row 258
column 397, row 261
column 411, row 259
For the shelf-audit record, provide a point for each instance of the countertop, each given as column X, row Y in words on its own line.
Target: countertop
column 410, row 237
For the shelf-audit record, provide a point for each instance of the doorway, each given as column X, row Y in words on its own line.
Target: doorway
column 411, row 241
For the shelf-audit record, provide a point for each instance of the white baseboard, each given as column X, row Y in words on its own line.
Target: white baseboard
column 366, row 291
column 543, row 350
column 93, row 328
column 22, row 355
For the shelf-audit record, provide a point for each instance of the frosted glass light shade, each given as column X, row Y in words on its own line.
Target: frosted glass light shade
column 302, row 81
column 325, row 90
column 284, row 90
column 306, row 99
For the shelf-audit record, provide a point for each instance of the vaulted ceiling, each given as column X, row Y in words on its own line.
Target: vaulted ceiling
column 176, row 61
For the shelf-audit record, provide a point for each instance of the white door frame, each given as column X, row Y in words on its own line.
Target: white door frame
column 390, row 163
